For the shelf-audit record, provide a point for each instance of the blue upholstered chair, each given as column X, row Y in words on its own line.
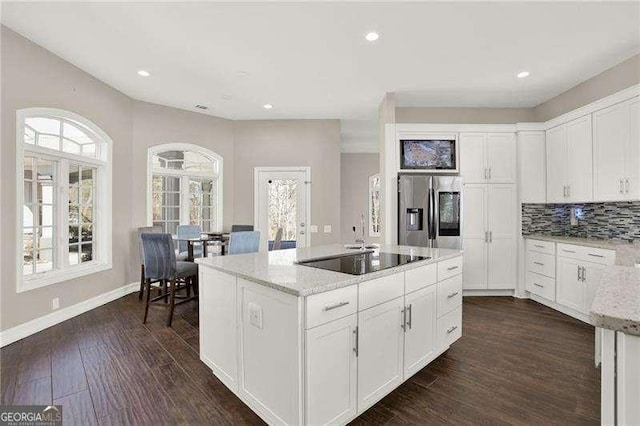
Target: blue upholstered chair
column 160, row 264
column 145, row 230
column 187, row 232
column 241, row 228
column 244, row 242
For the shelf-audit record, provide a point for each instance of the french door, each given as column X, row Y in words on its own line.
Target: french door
column 282, row 199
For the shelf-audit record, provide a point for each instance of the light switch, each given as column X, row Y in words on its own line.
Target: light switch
column 327, row 229
column 313, row 229
column 255, row 315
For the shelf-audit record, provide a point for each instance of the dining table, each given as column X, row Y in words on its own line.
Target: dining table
column 205, row 239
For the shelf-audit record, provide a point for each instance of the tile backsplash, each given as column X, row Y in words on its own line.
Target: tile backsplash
column 610, row 221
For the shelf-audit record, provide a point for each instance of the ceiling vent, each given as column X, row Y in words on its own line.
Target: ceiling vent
column 202, row 107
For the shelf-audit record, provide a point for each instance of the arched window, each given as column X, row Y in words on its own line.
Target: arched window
column 185, row 187
column 64, row 191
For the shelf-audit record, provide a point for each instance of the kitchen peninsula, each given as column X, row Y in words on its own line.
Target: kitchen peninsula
column 302, row 344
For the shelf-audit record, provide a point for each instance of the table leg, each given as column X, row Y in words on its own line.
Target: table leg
column 190, row 251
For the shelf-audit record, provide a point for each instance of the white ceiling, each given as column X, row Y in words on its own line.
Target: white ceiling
column 310, row 60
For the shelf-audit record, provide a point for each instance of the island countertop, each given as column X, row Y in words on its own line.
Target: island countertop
column 616, row 305
column 279, row 269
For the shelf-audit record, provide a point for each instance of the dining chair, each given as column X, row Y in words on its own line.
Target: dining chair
column 241, row 228
column 146, row 230
column 160, row 264
column 277, row 241
column 244, row 242
column 186, row 232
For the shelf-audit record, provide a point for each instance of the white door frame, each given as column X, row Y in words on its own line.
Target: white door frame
column 256, row 194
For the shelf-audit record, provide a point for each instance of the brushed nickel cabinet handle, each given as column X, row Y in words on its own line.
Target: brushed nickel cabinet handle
column 621, row 186
column 489, row 172
column 356, row 346
column 538, row 245
column 538, row 285
column 626, row 185
column 454, row 294
column 403, row 324
column 538, row 263
column 490, row 236
column 452, row 329
column 568, row 251
column 451, row 268
column 595, row 255
column 337, row 305
column 409, row 310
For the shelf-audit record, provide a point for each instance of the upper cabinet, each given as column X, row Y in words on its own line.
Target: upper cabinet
column 531, row 165
column 570, row 161
column 616, row 152
column 488, row 157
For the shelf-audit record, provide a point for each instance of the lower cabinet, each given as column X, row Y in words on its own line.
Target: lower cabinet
column 577, row 283
column 420, row 329
column 331, row 372
column 380, row 349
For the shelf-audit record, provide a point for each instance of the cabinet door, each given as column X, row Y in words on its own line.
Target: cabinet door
column 580, row 159
column 628, row 383
column 569, row 289
column 380, row 347
column 592, row 274
column 501, row 263
column 331, row 372
column 501, row 157
column 474, row 236
column 632, row 166
column 217, row 309
column 472, row 157
column 420, row 333
column 610, row 132
column 502, row 213
column 531, row 164
column 556, row 144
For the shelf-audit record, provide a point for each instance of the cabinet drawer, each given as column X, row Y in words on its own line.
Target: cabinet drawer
column 450, row 328
column 449, row 295
column 325, row 307
column 418, row 278
column 588, row 254
column 543, row 264
column 449, row 268
column 541, row 285
column 380, row 290
column 546, row 247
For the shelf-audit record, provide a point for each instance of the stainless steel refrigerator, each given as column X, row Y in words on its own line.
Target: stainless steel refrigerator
column 430, row 211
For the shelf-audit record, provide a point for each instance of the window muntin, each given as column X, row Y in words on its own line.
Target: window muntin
column 166, row 202
column 60, row 135
column 81, row 213
column 202, row 203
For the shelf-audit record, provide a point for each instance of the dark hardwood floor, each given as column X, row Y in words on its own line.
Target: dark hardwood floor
column 518, row 362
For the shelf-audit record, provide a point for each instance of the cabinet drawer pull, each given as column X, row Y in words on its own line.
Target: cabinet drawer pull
column 538, row 285
column 450, row 295
column 595, row 255
column 568, row 251
column 538, row 245
column 538, row 263
column 337, row 305
column 409, row 321
column 451, row 268
column 356, row 347
column 452, row 329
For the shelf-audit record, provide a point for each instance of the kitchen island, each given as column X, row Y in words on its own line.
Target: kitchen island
column 303, row 345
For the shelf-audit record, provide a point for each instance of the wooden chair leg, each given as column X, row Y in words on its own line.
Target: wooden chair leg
column 187, row 282
column 141, row 283
column 146, row 307
column 172, row 301
column 164, row 291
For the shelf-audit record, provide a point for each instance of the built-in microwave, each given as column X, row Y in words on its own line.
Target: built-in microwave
column 433, row 154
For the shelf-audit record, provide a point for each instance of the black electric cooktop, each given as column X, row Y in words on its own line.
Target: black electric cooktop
column 362, row 262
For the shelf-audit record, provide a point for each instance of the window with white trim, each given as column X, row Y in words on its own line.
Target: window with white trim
column 185, row 187
column 64, row 192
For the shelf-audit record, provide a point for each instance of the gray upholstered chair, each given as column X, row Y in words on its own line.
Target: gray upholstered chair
column 160, row 264
column 146, row 230
column 241, row 228
column 277, row 241
column 244, row 242
column 184, row 232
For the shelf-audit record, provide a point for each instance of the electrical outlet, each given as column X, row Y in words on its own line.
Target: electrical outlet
column 55, row 303
column 327, row 229
column 313, row 229
column 255, row 315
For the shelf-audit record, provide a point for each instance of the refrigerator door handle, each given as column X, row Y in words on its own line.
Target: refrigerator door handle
column 432, row 215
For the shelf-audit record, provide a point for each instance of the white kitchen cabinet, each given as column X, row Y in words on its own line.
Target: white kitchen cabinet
column 380, row 351
column 488, row 157
column 489, row 238
column 532, row 166
column 420, row 329
column 331, row 372
column 591, row 275
column 616, row 156
column 570, row 161
column 578, row 279
column 569, row 287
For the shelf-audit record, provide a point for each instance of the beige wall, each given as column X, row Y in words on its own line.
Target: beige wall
column 354, row 194
column 464, row 115
column 619, row 77
column 313, row 143
column 31, row 76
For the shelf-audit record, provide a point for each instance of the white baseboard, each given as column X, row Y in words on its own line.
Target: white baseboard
column 31, row 327
column 483, row 292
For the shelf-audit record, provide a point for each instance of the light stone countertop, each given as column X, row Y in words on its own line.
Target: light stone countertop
column 278, row 269
column 616, row 305
column 626, row 253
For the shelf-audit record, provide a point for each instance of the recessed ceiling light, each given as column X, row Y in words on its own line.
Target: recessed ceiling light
column 372, row 36
column 523, row 74
column 143, row 73
column 268, row 106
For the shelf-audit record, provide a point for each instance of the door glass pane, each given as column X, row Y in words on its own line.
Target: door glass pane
column 44, row 260
column 282, row 209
